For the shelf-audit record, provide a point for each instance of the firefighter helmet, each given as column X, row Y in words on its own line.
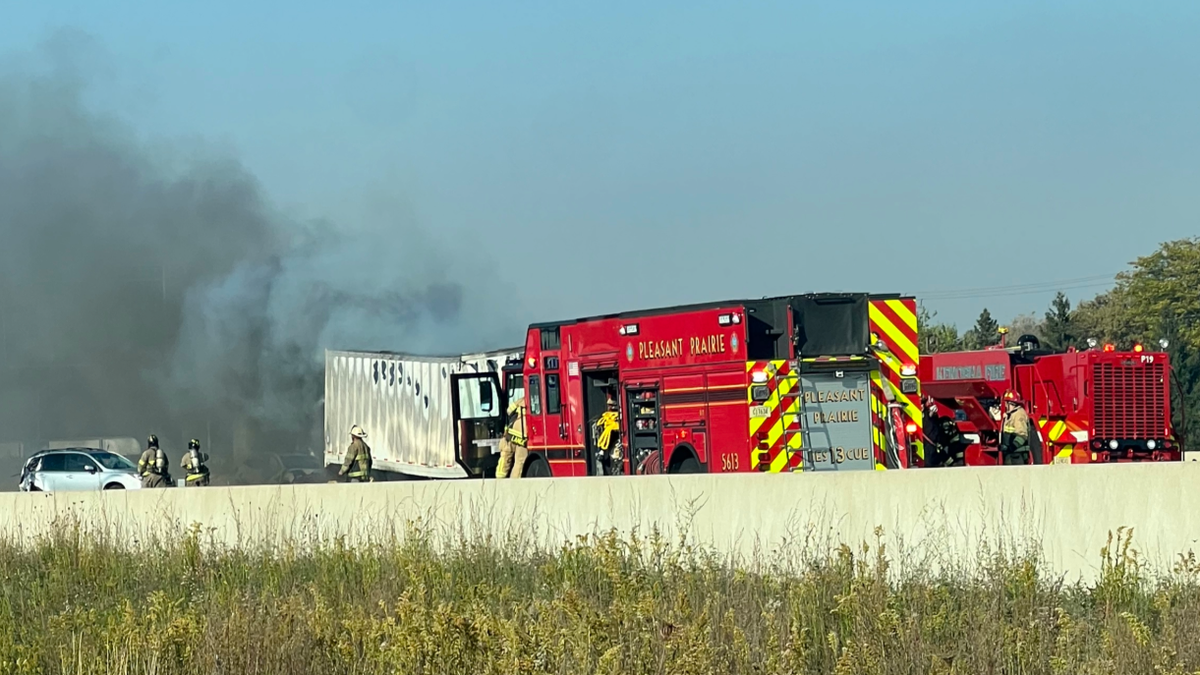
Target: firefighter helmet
column 1011, row 396
column 193, row 444
column 152, row 441
column 357, row 432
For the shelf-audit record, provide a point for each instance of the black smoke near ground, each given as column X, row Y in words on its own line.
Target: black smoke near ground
column 147, row 290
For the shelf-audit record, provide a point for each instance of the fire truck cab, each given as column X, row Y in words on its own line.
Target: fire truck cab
column 1091, row 406
column 818, row 382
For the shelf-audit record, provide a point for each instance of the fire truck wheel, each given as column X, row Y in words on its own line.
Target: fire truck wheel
column 537, row 468
column 688, row 464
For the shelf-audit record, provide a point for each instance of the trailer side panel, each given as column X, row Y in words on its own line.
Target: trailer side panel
column 404, row 404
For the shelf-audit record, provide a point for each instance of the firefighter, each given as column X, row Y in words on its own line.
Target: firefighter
column 1014, row 446
column 153, row 467
column 194, row 464
column 357, row 467
column 514, row 445
column 943, row 433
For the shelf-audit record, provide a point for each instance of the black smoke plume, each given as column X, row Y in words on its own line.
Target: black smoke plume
column 148, row 290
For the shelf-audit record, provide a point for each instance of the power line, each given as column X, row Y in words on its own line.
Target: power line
column 1095, row 277
column 950, row 295
column 1093, row 281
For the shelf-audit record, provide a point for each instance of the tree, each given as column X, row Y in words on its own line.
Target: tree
column 1185, row 376
column 1059, row 326
column 985, row 333
column 935, row 337
column 1156, row 299
column 1104, row 318
column 1161, row 288
column 1025, row 324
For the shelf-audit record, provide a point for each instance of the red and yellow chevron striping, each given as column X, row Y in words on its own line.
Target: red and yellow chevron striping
column 894, row 322
column 779, row 429
column 775, row 433
column 1061, row 434
column 878, row 417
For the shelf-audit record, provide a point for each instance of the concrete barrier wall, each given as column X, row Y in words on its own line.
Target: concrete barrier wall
column 1070, row 510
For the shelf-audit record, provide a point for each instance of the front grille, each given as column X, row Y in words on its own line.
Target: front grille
column 1129, row 401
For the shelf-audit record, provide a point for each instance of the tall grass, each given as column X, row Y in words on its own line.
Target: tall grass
column 82, row 603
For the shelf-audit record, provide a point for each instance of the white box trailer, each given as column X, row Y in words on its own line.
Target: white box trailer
column 404, row 403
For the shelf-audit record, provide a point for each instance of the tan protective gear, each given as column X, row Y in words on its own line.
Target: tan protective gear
column 194, row 467
column 515, row 429
column 512, row 459
column 357, row 466
column 152, row 466
column 513, row 446
column 1016, row 422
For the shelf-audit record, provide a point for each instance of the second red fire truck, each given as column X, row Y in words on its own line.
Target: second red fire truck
column 818, row 382
column 1095, row 405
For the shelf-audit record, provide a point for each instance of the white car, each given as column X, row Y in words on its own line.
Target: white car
column 75, row 469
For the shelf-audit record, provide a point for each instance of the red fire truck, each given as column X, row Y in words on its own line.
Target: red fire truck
column 1092, row 406
column 818, row 382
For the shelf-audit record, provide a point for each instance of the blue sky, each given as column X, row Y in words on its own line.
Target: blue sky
column 619, row 155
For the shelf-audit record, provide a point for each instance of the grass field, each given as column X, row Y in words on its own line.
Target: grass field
column 78, row 604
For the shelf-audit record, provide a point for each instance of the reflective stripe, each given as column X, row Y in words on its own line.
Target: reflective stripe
column 518, row 422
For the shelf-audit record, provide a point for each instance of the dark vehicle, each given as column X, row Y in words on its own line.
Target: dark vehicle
column 299, row 468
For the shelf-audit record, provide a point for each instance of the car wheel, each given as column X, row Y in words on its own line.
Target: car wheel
column 114, row 486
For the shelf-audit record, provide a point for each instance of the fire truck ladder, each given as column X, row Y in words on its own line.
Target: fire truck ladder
column 794, row 428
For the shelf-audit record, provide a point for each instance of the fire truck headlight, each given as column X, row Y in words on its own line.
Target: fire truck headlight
column 1092, row 342
column 758, row 377
column 760, row 393
column 1164, row 343
column 1151, row 445
column 1113, row 445
column 908, row 385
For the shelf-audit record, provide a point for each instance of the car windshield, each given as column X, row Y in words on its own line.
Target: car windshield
column 113, row 461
